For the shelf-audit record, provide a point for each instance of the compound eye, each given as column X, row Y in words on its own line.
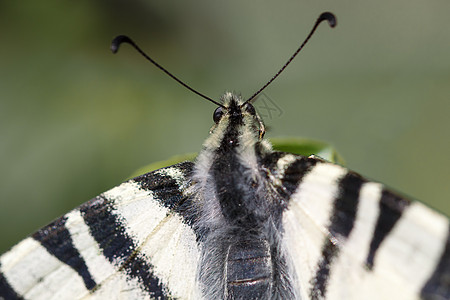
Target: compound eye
column 218, row 113
column 250, row 109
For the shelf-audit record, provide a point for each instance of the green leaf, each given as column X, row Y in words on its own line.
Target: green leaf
column 307, row 147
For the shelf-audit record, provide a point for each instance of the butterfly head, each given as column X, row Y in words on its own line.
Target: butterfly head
column 238, row 115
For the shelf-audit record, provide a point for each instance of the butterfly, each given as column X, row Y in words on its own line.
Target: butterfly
column 242, row 221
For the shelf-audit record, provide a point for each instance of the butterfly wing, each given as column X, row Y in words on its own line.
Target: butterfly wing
column 350, row 238
column 133, row 242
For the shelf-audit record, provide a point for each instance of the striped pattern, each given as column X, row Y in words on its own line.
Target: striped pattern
column 346, row 231
column 242, row 222
column 341, row 229
column 145, row 248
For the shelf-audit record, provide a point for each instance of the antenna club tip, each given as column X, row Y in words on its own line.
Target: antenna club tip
column 117, row 41
column 329, row 17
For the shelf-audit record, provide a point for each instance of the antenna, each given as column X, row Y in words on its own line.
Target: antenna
column 324, row 16
column 118, row 40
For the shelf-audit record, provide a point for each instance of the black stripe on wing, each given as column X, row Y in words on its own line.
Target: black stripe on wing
column 269, row 161
column 296, row 171
column 6, row 290
column 168, row 191
column 117, row 246
column 56, row 239
column 292, row 175
column 391, row 208
column 341, row 224
column 438, row 286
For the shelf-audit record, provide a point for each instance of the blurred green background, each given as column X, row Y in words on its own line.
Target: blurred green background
column 76, row 120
